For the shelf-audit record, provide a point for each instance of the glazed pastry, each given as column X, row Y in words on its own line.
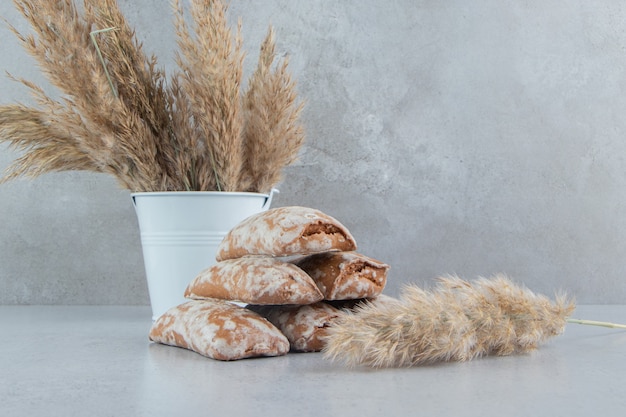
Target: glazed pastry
column 304, row 326
column 286, row 231
column 219, row 330
column 255, row 280
column 345, row 275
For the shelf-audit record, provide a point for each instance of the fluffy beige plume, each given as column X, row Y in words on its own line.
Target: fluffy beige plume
column 273, row 134
column 47, row 147
column 457, row 320
column 212, row 66
column 137, row 82
column 119, row 114
column 120, row 143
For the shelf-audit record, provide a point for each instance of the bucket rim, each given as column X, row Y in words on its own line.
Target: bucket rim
column 196, row 193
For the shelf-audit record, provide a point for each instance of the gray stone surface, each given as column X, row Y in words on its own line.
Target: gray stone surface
column 97, row 361
column 450, row 137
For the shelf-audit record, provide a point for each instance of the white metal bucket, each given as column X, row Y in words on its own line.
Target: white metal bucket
column 180, row 233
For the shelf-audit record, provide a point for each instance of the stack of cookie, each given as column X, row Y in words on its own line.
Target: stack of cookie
column 281, row 278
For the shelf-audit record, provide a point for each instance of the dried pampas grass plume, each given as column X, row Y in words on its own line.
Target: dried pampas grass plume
column 119, row 114
column 455, row 321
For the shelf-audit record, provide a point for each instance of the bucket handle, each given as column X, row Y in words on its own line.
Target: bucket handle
column 268, row 202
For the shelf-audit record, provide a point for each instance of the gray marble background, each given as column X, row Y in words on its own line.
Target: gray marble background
column 450, row 136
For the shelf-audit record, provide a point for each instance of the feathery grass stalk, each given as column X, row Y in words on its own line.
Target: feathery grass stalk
column 154, row 133
column 456, row 320
column 211, row 61
column 597, row 323
column 272, row 132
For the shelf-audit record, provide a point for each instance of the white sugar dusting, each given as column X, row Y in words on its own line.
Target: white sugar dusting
column 281, row 232
column 219, row 330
